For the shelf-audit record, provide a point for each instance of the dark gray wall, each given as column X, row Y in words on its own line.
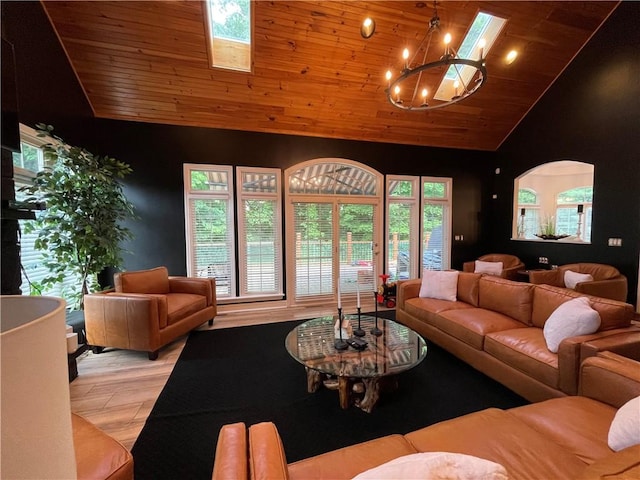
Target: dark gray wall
column 591, row 114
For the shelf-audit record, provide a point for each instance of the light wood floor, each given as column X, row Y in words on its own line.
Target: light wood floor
column 117, row 389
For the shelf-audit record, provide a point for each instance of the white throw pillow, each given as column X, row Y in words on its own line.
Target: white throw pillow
column 625, row 428
column 572, row 318
column 491, row 268
column 435, row 465
column 571, row 279
column 439, row 284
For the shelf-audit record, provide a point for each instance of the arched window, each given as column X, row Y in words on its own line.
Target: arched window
column 573, row 212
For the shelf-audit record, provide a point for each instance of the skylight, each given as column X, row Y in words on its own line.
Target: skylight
column 484, row 29
column 229, row 28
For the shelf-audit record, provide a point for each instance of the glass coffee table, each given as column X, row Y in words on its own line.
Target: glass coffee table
column 358, row 375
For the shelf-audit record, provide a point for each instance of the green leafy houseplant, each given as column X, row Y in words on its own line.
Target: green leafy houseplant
column 81, row 230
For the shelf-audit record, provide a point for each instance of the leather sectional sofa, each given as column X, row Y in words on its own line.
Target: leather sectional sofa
column 496, row 326
column 561, row 438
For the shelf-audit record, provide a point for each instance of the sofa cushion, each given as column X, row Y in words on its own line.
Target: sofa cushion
column 438, row 284
column 154, row 280
column 571, row 278
column 429, row 465
column 470, row 325
column 423, row 307
column 468, row 287
column 525, row 349
column 572, row 318
column 513, row 299
column 624, row 431
column 181, row 305
column 578, row 424
column 546, row 299
column 491, row 434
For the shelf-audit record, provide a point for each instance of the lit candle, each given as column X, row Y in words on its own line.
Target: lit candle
column 357, row 295
column 388, row 77
column 405, row 56
column 339, row 301
column 397, row 92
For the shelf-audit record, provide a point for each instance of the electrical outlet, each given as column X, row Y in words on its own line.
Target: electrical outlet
column 543, row 260
column 615, row 242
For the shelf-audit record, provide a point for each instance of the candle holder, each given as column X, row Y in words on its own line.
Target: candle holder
column 375, row 330
column 340, row 343
column 580, row 216
column 359, row 332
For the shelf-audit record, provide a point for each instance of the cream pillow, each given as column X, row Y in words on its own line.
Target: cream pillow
column 436, row 465
column 625, row 428
column 572, row 318
column 571, row 279
column 491, row 268
column 439, row 284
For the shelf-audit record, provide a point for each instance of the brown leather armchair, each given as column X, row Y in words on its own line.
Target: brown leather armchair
column 147, row 310
column 510, row 264
column 607, row 281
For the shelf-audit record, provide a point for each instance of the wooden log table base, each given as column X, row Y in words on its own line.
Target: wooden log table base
column 364, row 393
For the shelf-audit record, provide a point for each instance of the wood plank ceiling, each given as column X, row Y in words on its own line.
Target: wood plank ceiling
column 313, row 74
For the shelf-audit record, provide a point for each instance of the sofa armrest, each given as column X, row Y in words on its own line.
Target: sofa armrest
column 267, row 459
column 626, row 344
column 231, row 460
column 620, row 465
column 548, row 277
column 198, row 286
column 610, row 378
column 134, row 318
column 98, row 455
column 570, row 355
column 614, row 288
column 407, row 289
column 511, row 273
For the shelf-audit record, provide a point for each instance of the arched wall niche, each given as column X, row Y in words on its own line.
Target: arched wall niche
column 554, row 202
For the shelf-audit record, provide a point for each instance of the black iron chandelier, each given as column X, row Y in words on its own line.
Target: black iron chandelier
column 410, row 89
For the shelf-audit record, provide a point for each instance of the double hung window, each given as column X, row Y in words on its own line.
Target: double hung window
column 237, row 242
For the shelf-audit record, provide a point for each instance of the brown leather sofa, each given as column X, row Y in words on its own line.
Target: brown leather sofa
column 511, row 264
column 561, row 438
column 496, row 326
column 98, row 456
column 147, row 310
column 607, row 282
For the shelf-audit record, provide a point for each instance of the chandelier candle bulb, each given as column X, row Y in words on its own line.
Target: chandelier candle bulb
column 481, row 45
column 405, row 57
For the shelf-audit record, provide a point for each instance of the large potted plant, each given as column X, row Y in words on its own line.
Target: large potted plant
column 80, row 232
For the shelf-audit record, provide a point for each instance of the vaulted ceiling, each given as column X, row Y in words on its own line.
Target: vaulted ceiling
column 313, row 73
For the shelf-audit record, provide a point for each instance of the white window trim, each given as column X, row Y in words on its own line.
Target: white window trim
column 446, row 221
column 414, row 199
column 241, row 195
column 190, row 194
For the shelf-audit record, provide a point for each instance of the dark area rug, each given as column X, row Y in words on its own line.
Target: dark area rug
column 246, row 375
